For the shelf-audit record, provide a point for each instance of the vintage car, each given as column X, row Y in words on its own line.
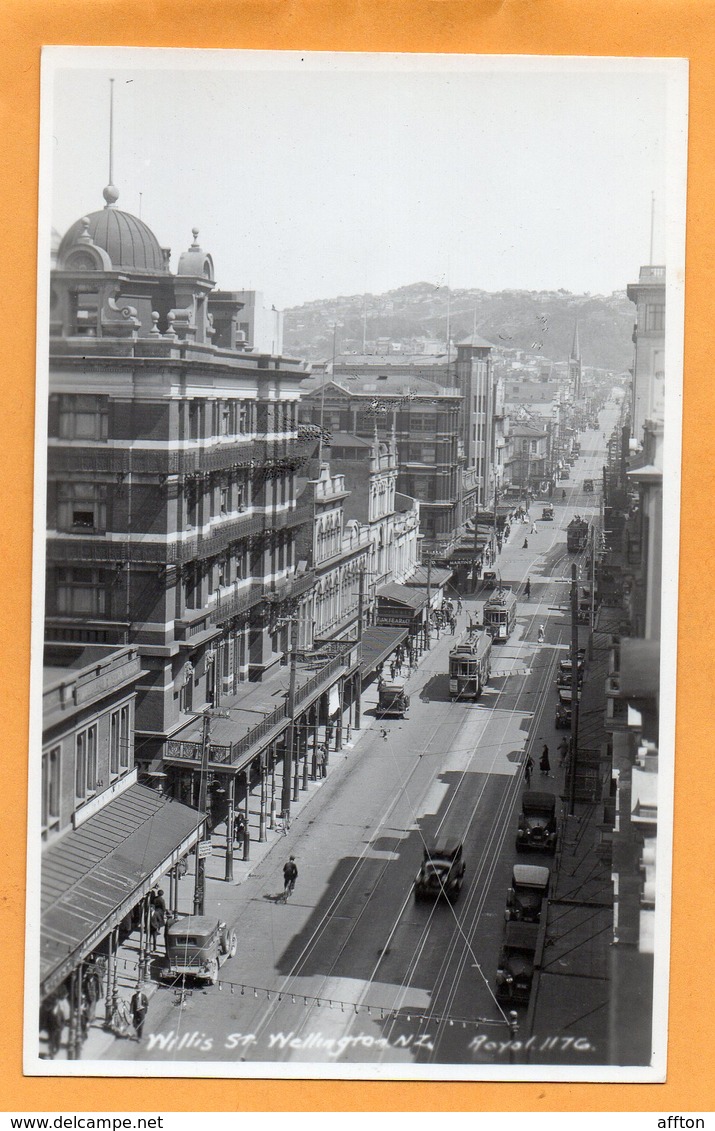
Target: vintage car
column 517, row 959
column 489, row 579
column 563, row 678
column 588, row 486
column 442, row 870
column 564, row 473
column 562, row 720
column 566, row 665
column 537, row 823
column 392, row 699
column 196, row 946
column 529, row 885
column 547, row 513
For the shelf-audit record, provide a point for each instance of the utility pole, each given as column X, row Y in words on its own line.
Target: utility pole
column 229, row 830
column 361, row 614
column 199, row 875
column 429, row 601
column 574, row 687
column 290, row 738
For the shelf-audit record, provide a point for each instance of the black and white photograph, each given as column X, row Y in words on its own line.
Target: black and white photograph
column 357, row 480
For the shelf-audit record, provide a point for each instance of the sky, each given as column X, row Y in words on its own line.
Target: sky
column 317, row 175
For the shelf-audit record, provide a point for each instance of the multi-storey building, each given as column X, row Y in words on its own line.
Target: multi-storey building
column 648, row 294
column 423, row 417
column 475, row 380
column 172, row 454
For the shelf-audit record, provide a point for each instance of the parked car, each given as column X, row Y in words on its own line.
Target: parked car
column 537, row 823
column 547, row 513
column 529, row 885
column 517, row 959
column 196, row 946
column 442, row 870
column 562, row 721
column 588, row 486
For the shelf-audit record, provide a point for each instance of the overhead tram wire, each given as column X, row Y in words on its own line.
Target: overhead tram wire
column 344, row 886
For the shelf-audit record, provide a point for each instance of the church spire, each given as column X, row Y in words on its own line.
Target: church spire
column 576, row 347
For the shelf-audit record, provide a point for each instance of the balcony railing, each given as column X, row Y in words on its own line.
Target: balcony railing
column 246, row 748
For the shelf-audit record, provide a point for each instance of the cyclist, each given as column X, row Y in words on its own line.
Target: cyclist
column 290, row 875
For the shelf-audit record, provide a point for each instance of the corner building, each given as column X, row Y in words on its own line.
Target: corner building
column 172, row 453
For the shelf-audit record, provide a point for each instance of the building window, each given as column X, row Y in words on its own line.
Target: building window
column 81, row 591
column 243, row 419
column 50, row 791
column 655, row 316
column 194, row 420
column 81, row 506
column 225, row 420
column 83, row 417
column 119, row 741
column 85, row 778
column 224, row 500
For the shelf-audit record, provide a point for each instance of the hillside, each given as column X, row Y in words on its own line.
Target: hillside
column 540, row 322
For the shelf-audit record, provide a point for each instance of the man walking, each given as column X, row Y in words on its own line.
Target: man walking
column 290, row 875
column 563, row 751
column 528, row 767
column 139, row 1007
column 544, row 763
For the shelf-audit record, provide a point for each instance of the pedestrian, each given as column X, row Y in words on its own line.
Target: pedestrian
column 156, row 922
column 526, row 544
column 459, row 604
column 239, row 827
column 323, row 760
column 159, row 901
column 544, row 763
column 528, row 588
column 170, row 917
column 533, row 528
column 528, row 767
column 563, row 751
column 290, row 875
column 541, row 634
column 393, row 670
column 452, row 625
column 139, row 1007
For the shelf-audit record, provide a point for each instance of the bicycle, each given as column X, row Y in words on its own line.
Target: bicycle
column 288, row 890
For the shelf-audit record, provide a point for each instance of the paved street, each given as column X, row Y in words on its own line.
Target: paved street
column 353, row 959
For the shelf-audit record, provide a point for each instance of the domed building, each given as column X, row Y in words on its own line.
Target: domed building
column 171, row 490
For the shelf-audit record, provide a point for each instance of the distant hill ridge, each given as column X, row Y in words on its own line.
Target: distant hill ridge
column 540, row 322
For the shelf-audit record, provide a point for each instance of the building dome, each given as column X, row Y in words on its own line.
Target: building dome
column 129, row 243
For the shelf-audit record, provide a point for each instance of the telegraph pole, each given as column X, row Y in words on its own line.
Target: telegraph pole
column 574, row 686
column 199, row 875
column 429, row 601
column 361, row 614
column 290, row 738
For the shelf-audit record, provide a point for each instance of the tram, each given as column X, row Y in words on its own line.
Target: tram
column 470, row 665
column 500, row 614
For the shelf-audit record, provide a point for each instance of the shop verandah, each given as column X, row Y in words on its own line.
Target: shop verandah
column 267, row 742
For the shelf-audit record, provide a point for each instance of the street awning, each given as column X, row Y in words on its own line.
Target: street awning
column 437, row 577
column 401, row 595
column 379, row 642
column 97, row 873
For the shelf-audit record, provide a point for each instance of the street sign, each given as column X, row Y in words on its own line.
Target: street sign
column 205, row 849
